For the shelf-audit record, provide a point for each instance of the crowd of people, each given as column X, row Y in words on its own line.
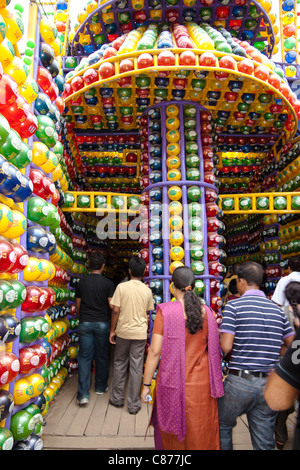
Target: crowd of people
column 194, row 406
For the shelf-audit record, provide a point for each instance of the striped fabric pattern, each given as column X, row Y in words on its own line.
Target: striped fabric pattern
column 259, row 327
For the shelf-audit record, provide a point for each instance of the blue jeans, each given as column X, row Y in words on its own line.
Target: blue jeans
column 246, row 396
column 93, row 344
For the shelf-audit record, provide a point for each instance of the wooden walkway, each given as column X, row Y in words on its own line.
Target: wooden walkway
column 100, row 426
column 97, row 425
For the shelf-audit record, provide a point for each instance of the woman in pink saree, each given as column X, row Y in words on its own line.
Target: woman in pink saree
column 185, row 340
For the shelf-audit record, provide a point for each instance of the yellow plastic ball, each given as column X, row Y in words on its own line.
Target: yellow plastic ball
column 176, row 222
column 288, row 18
column 23, row 391
column 173, row 149
column 174, row 265
column 175, row 193
column 16, row 69
column 290, row 71
column 173, row 163
column 48, row 31
column 7, row 53
column 172, row 111
column 38, row 383
column 51, row 164
column 173, row 136
column 91, row 6
column 49, row 394
column 6, row 218
column 176, row 253
column 174, row 175
column 172, row 123
column 176, row 238
column 18, row 226
column 175, row 208
column 46, row 270
column 32, row 270
column 29, row 90
column 73, row 351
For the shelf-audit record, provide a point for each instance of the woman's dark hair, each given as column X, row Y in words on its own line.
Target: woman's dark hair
column 183, row 277
column 232, row 287
column 97, row 260
column 292, row 293
column 252, row 272
column 137, row 266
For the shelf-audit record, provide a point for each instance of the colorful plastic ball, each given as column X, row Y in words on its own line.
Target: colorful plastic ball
column 173, row 162
column 175, row 208
column 176, row 222
column 156, row 194
column 280, row 203
column 228, row 203
column 156, row 285
column 172, row 123
column 198, row 267
column 290, row 71
column 157, row 268
column 175, row 193
column 199, row 287
column 197, row 252
column 173, row 149
column 176, row 238
column 262, row 203
column 245, row 203
column 193, row 194
column 174, row 265
column 291, row 57
column 172, row 111
column 176, row 253
column 157, row 253
column 174, row 175
column 155, row 238
column 194, row 209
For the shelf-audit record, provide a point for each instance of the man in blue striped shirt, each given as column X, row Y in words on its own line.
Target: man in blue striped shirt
column 253, row 330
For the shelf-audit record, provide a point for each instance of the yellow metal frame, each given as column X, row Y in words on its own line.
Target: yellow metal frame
column 152, row 72
column 108, row 209
column 255, row 210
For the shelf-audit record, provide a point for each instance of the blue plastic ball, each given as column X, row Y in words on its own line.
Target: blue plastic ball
column 157, row 268
column 158, row 253
column 156, row 194
column 155, row 238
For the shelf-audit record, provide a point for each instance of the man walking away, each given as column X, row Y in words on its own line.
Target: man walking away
column 279, row 296
column 253, row 328
column 131, row 302
column 93, row 295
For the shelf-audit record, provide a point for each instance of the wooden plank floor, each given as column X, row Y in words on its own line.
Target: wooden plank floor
column 100, row 426
column 97, row 425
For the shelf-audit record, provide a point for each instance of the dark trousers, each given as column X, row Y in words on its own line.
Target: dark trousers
column 93, row 344
column 129, row 355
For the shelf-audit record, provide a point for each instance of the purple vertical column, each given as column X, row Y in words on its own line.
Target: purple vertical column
column 165, row 201
column 204, row 217
column 184, row 191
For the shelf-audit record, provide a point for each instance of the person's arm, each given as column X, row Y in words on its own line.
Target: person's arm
column 226, row 342
column 288, row 341
column 151, row 364
column 114, row 319
column 279, row 394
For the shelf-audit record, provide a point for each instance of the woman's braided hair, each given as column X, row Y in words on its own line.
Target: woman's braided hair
column 182, row 278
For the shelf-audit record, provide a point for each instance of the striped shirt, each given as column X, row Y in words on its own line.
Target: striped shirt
column 259, row 326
